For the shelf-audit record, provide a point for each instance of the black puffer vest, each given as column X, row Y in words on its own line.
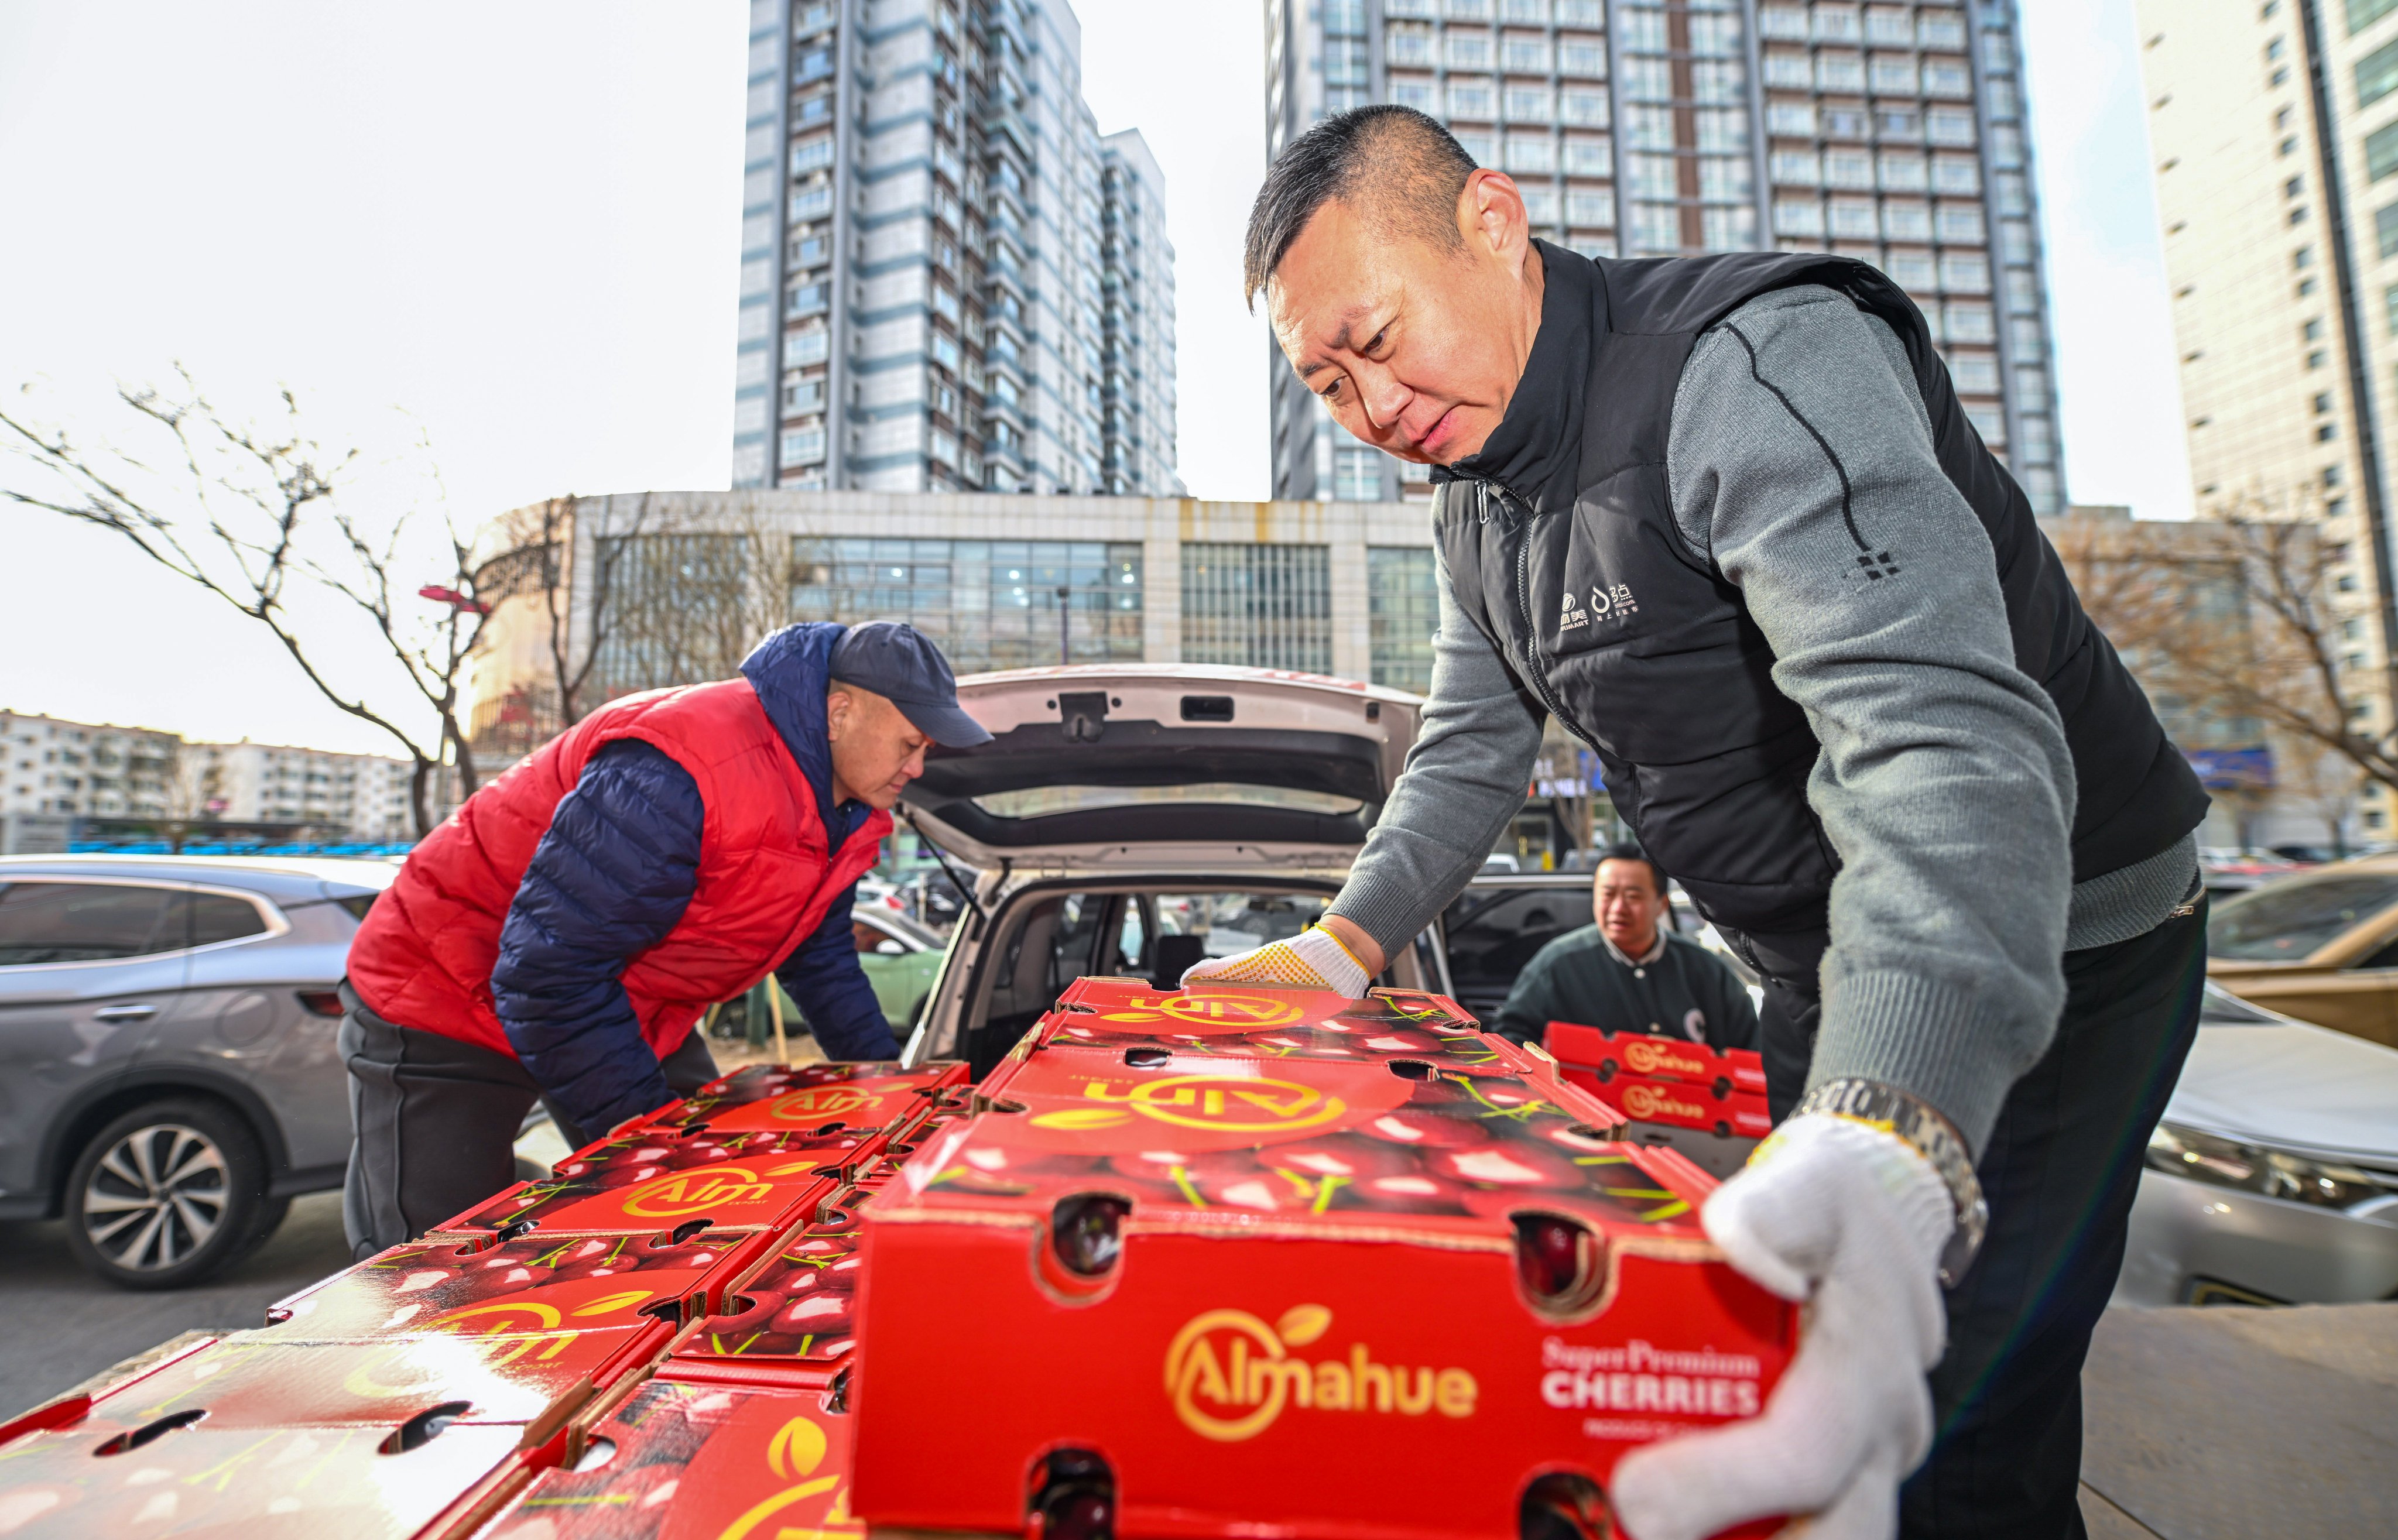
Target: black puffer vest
column 1561, row 545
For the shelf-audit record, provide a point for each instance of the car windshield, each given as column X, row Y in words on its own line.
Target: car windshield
column 2290, row 921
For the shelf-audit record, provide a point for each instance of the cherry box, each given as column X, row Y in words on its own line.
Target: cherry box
column 1733, row 1071
column 858, row 1098
column 681, row 1461
column 1237, row 1290
column 658, row 1177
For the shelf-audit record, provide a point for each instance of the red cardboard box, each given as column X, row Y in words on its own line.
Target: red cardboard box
column 1679, row 1103
column 536, row 1285
column 859, row 1098
column 793, row 1320
column 1119, row 1014
column 697, row 1462
column 659, row 1178
column 1252, row 1289
column 199, row 1478
column 1734, row 1071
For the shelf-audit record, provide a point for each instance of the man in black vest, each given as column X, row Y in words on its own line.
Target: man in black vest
column 1724, row 518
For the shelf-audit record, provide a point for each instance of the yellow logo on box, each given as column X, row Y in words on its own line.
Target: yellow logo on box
column 1653, row 1059
column 1230, row 1376
column 691, row 1191
column 1243, row 1012
column 803, row 1106
column 1223, row 1104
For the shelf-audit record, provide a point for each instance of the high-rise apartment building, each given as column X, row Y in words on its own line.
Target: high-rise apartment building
column 2273, row 128
column 1895, row 133
column 928, row 280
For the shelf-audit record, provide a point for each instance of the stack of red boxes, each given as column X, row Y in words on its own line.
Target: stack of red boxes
column 1206, row 1263
column 428, row 1386
column 1220, row 1260
column 1669, row 1081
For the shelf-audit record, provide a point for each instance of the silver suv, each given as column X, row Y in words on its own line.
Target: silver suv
column 168, row 1074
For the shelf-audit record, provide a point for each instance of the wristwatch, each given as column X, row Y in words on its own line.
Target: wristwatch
column 1924, row 1130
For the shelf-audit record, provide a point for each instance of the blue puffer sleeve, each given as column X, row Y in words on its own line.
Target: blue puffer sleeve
column 824, row 977
column 610, row 878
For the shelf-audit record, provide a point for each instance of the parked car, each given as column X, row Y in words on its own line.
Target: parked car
column 2320, row 946
column 1132, row 820
column 2273, row 1178
column 168, row 1074
column 901, row 960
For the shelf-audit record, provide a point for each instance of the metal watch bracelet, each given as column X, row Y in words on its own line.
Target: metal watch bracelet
column 1930, row 1134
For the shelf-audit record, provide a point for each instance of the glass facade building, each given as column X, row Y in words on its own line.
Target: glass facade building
column 989, row 604
column 1891, row 132
column 1257, row 605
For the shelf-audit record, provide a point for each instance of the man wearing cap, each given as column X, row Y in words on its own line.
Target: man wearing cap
column 562, row 934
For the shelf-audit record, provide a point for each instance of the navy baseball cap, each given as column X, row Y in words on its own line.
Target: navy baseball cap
column 900, row 664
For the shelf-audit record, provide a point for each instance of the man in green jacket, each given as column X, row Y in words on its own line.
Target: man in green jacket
column 1629, row 973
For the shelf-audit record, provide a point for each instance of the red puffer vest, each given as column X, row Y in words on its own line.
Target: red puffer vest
column 425, row 956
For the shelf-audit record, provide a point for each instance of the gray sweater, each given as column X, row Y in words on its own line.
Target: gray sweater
column 1944, row 784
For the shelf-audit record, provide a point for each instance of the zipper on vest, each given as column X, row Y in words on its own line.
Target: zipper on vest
column 1536, row 669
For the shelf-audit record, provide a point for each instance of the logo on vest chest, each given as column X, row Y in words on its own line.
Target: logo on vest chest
column 1606, row 603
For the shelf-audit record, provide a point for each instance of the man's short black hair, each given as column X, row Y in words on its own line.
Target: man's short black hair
column 1629, row 851
column 1398, row 167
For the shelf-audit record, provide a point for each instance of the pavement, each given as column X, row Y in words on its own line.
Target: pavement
column 2230, row 1423
column 62, row 1325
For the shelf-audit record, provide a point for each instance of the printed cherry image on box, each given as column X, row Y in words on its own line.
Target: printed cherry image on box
column 680, row 1461
column 1237, row 1257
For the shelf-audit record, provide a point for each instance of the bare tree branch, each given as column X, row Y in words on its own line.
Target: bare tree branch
column 243, row 514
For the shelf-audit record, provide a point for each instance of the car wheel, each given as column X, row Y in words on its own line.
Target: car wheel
column 167, row 1193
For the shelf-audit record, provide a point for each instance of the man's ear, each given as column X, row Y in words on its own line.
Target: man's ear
column 1491, row 215
column 839, row 704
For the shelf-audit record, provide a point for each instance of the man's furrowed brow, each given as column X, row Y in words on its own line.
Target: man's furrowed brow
column 1337, row 338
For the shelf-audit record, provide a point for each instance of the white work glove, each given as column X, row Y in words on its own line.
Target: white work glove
column 1850, row 1221
column 1313, row 959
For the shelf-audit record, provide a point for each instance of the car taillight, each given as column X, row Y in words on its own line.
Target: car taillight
column 321, row 1003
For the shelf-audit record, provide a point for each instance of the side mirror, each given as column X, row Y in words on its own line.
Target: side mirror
column 887, row 947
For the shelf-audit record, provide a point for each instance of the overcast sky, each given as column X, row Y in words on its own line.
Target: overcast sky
column 518, row 225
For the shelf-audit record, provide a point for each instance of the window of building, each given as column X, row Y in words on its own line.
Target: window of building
column 2364, row 13
column 1525, row 55
column 2290, row 145
column 1589, row 155
column 1534, row 152
column 1797, row 217
column 1960, row 222
column 2326, row 432
column 1795, row 119
column 2313, row 329
column 1797, row 168
column 1969, row 322
column 1357, row 475
column 2306, row 287
column 1529, row 104
column 1585, row 108
column 1590, row 207
column 1974, row 374
column 2385, row 229
column 2381, row 151
column 1903, row 221
column 1912, row 271
column 1466, row 49
column 1257, row 605
column 1470, row 98
column 989, row 604
column 2318, row 359
column 1402, row 610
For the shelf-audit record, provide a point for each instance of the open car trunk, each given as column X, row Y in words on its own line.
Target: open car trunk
column 1164, row 763
column 1131, row 820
